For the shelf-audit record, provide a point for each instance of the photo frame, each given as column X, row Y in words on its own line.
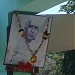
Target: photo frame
column 9, row 53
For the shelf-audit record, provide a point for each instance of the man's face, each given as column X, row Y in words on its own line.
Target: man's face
column 31, row 32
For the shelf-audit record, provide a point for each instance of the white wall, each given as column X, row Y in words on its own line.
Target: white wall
column 74, row 31
column 62, row 35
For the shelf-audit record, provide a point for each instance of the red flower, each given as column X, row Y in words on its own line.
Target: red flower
column 28, row 67
column 21, row 66
column 25, row 67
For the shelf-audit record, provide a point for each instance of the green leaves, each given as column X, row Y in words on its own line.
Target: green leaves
column 53, row 64
column 69, row 7
column 59, row 63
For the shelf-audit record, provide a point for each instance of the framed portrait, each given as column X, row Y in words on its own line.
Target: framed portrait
column 28, row 39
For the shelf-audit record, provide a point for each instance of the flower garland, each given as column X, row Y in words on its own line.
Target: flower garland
column 28, row 66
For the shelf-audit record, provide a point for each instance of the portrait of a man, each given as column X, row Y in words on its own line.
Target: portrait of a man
column 31, row 31
column 32, row 46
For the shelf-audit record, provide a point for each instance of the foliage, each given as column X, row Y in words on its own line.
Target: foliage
column 59, row 63
column 53, row 64
column 69, row 7
column 68, row 65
